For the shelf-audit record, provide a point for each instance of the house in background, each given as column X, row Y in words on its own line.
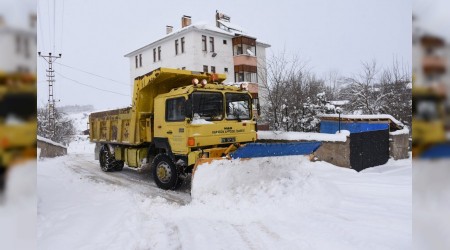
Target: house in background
column 431, row 58
column 18, row 47
column 221, row 48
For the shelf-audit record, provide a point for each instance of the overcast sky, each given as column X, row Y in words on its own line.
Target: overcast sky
column 433, row 16
column 93, row 35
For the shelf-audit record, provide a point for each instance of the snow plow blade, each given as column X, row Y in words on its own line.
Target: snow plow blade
column 437, row 152
column 255, row 150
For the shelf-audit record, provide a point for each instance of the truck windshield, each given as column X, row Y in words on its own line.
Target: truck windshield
column 426, row 108
column 238, row 106
column 18, row 106
column 207, row 106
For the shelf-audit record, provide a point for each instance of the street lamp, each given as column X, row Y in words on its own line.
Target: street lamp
column 339, row 111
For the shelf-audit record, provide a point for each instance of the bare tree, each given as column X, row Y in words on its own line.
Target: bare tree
column 63, row 131
column 362, row 90
column 291, row 94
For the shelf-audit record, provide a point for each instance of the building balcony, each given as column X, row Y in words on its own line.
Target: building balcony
column 245, row 59
column 434, row 64
column 432, row 41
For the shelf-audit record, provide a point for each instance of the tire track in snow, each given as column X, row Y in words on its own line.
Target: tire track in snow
column 127, row 178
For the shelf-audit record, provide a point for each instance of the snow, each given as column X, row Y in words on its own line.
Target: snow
column 402, row 131
column 340, row 102
column 303, row 136
column 262, row 203
column 18, row 208
column 200, row 121
column 431, row 206
column 40, row 138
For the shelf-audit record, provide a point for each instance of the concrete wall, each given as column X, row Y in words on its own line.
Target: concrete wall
column 336, row 153
column 399, row 146
column 49, row 150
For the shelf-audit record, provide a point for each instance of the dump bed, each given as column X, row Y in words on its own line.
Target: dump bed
column 115, row 126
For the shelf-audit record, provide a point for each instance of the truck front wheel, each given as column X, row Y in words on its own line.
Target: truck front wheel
column 165, row 172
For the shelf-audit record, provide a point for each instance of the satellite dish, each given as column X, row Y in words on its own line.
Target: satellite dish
column 250, row 52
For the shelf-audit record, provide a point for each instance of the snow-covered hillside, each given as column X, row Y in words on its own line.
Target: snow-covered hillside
column 265, row 203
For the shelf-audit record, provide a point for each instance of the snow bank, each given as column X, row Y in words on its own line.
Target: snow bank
column 302, row 136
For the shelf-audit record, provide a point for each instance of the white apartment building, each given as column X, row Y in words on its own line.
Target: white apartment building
column 431, row 58
column 222, row 48
column 18, row 47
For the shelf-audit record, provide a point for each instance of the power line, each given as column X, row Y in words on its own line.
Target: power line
column 62, row 25
column 84, row 71
column 90, row 86
column 40, row 25
column 54, row 25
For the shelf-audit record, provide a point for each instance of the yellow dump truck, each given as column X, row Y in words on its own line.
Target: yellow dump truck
column 428, row 119
column 18, row 121
column 176, row 118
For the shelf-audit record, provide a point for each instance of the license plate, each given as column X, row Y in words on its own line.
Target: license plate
column 229, row 139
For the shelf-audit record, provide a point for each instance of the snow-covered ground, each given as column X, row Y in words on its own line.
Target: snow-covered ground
column 264, row 203
column 431, row 206
column 18, row 208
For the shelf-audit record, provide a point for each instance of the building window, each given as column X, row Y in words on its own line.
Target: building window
column 226, row 70
column 154, row 55
column 140, row 60
column 26, row 47
column 205, row 68
column 211, row 44
column 182, row 45
column 136, row 59
column 159, row 53
column 224, row 41
column 239, row 50
column 18, row 44
column 213, row 69
column 204, row 48
column 176, row 47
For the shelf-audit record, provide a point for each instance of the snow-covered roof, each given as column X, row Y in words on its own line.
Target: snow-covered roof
column 200, row 26
column 40, row 138
column 399, row 125
column 340, row 102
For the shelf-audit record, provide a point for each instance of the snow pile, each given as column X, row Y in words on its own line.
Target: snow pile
column 302, row 136
column 257, row 183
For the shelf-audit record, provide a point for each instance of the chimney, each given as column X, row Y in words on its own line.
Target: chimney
column 32, row 20
column 185, row 21
column 169, row 29
column 2, row 21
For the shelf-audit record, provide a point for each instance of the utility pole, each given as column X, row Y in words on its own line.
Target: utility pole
column 51, row 81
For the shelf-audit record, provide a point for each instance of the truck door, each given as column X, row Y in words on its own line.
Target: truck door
column 175, row 124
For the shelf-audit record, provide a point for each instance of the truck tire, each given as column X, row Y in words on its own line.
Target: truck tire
column 165, row 172
column 118, row 165
column 106, row 159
